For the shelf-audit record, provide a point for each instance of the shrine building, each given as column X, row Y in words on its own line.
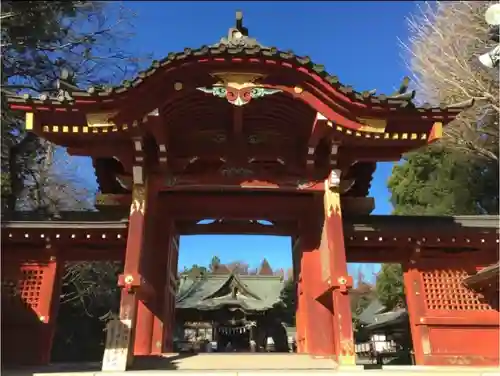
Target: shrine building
column 231, row 311
column 238, row 132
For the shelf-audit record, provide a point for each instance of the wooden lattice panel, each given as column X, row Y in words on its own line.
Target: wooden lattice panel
column 30, row 286
column 444, row 291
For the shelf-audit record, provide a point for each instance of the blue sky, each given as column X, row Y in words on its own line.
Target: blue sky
column 357, row 41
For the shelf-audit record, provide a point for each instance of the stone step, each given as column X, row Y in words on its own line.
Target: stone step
column 263, row 361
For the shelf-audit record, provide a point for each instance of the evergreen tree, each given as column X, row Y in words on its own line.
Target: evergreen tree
column 389, row 286
column 42, row 42
column 288, row 299
column 214, row 264
column 442, row 181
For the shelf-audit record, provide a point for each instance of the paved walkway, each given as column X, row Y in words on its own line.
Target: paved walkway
column 246, row 365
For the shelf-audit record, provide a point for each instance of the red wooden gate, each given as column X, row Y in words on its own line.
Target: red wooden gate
column 450, row 324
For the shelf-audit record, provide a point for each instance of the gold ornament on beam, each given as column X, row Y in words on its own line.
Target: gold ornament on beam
column 372, row 125
column 100, row 119
column 138, row 200
column 332, row 194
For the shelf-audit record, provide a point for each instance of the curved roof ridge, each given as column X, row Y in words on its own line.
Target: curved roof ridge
column 196, row 283
column 233, row 276
column 239, row 45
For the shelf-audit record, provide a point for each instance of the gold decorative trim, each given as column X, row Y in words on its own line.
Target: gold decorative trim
column 138, row 200
column 81, row 129
column 109, row 199
column 347, row 360
column 347, row 352
column 100, row 119
column 237, row 80
column 178, row 86
column 372, row 125
column 436, row 132
column 30, row 121
column 382, row 135
column 331, row 200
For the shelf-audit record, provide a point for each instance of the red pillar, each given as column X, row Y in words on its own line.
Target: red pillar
column 49, row 307
column 162, row 339
column 316, row 318
column 299, row 322
column 170, row 294
column 336, row 277
column 137, row 290
column 157, row 339
column 143, row 329
column 150, row 259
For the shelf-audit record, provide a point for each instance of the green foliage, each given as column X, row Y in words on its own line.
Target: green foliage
column 195, row 270
column 40, row 40
column 214, row 264
column 438, row 181
column 390, row 287
column 288, row 299
column 360, row 297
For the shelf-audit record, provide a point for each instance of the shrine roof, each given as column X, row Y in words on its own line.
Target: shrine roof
column 214, row 291
column 383, row 320
column 424, row 222
column 376, row 316
column 484, row 276
column 238, row 48
column 375, row 307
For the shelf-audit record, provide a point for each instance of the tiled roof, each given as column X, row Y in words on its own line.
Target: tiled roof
column 256, row 292
column 238, row 45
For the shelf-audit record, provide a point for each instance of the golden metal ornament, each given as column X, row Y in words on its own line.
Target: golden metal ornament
column 237, row 80
column 138, row 200
column 372, row 125
column 347, row 352
column 100, row 119
column 331, row 200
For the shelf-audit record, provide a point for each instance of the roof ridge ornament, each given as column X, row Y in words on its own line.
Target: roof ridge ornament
column 238, row 36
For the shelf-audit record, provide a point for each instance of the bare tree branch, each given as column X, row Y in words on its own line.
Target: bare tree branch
column 445, row 41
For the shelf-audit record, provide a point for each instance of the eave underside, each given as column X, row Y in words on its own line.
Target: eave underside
column 202, row 135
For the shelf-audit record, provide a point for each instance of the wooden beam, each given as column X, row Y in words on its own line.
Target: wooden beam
column 202, row 148
column 259, row 181
column 318, row 130
column 157, row 126
column 372, row 153
column 91, row 251
column 257, row 205
column 247, row 228
column 376, row 254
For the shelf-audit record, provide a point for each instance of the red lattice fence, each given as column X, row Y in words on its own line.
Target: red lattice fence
column 447, row 318
column 27, row 325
